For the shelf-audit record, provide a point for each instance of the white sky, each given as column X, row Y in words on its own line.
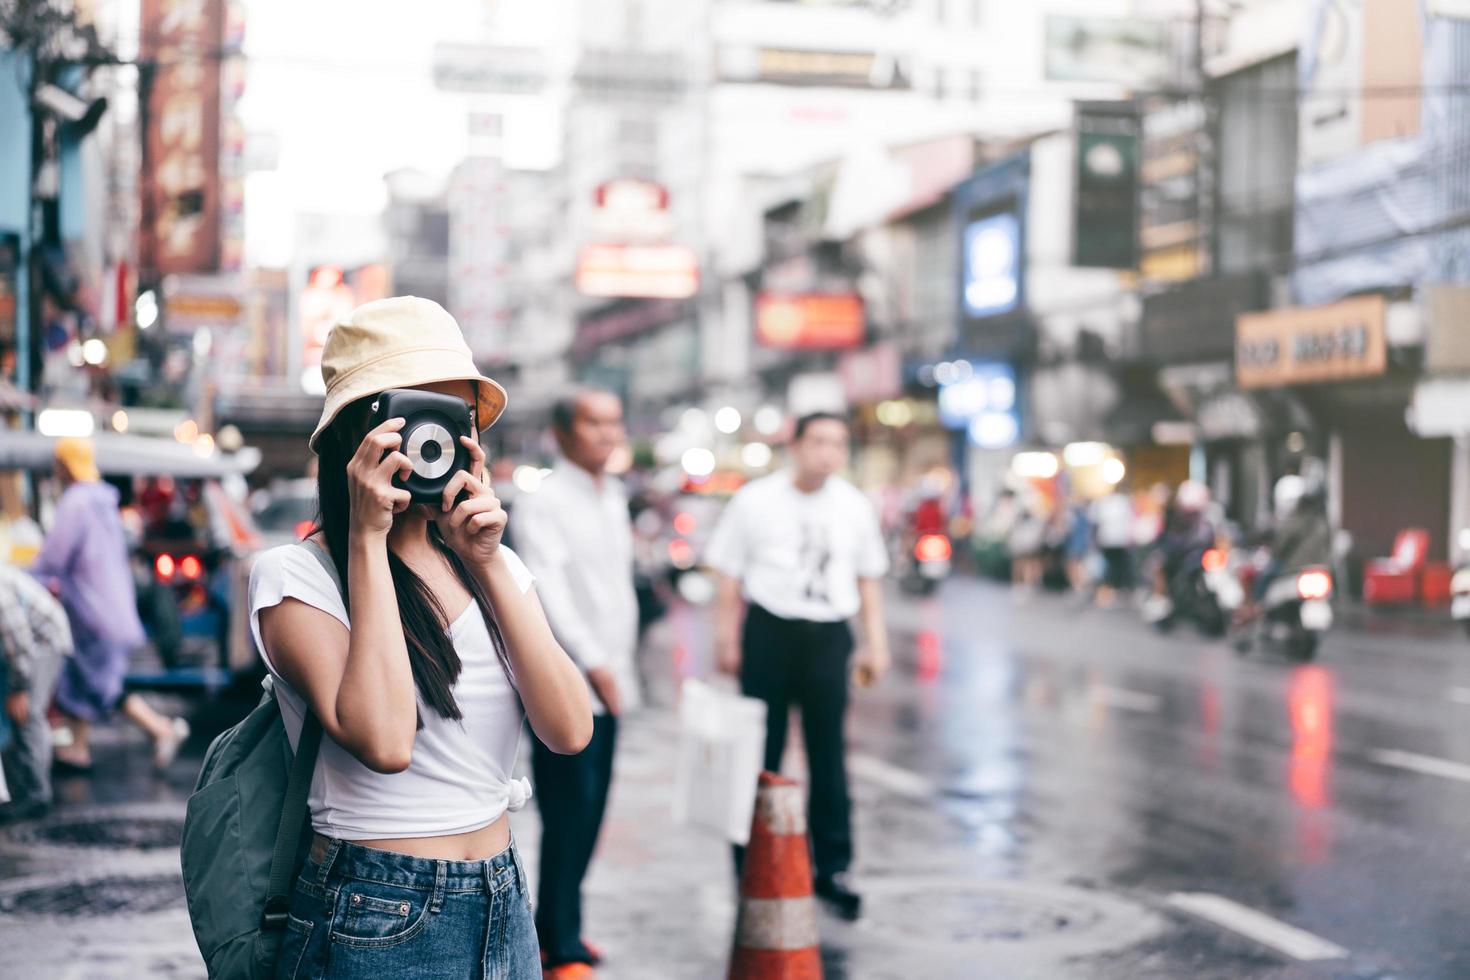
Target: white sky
column 346, row 89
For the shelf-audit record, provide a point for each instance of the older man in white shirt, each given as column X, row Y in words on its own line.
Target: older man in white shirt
column 576, row 536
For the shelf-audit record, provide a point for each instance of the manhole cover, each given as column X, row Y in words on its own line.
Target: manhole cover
column 131, row 833
column 968, row 915
column 948, row 911
column 99, row 897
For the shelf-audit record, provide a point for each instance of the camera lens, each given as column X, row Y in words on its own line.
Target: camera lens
column 430, row 451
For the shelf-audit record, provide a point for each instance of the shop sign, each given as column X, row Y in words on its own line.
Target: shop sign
column 802, row 66
column 1113, row 50
column 1105, row 207
column 992, row 264
column 1173, row 219
column 489, row 69
column 810, row 321
column 181, row 184
column 1310, row 344
column 632, row 209
column 638, row 271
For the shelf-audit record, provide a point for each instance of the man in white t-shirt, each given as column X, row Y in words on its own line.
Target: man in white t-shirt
column 804, row 549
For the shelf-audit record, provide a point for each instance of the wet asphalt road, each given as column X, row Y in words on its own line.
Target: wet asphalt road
column 1036, row 787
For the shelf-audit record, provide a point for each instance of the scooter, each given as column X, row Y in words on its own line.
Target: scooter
column 1295, row 613
column 927, row 564
column 1204, row 591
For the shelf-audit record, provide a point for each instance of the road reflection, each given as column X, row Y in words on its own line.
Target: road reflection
column 1309, row 768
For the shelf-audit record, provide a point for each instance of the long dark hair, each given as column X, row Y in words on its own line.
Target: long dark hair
column 431, row 652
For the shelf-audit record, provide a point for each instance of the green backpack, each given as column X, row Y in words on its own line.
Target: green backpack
column 243, row 828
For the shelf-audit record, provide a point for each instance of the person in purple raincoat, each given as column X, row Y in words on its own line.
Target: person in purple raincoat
column 84, row 562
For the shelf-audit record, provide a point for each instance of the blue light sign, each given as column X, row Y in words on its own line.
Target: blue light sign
column 992, row 265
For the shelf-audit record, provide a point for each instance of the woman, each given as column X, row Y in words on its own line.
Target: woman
column 84, row 562
column 421, row 680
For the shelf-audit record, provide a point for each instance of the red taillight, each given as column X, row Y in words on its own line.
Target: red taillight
column 165, row 566
column 932, row 547
column 304, row 529
column 1315, row 584
column 190, row 567
column 684, row 523
column 681, row 553
column 1213, row 560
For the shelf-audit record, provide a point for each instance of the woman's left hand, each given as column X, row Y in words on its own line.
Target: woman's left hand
column 472, row 527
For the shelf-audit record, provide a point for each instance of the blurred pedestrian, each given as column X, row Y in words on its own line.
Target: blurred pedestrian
column 420, row 674
column 84, row 561
column 577, row 536
column 1027, row 544
column 35, row 640
column 1077, row 546
column 1113, row 520
column 804, row 547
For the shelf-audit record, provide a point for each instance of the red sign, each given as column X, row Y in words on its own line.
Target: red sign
column 181, row 186
column 638, row 271
column 810, row 321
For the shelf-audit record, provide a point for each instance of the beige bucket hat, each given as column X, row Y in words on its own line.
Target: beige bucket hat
column 399, row 343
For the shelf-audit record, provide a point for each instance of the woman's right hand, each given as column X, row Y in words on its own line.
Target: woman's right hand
column 370, row 474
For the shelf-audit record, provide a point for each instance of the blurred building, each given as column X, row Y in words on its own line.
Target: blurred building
column 1314, row 332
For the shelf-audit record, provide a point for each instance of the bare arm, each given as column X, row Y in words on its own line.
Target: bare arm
column 358, row 684
column 875, row 659
column 552, row 690
column 728, row 609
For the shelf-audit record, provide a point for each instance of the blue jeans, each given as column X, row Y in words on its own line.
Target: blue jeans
column 359, row 912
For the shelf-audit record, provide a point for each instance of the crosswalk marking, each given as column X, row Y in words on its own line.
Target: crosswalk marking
column 1288, row 940
column 1426, row 765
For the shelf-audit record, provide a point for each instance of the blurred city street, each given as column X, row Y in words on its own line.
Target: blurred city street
column 1109, row 360
column 1038, row 788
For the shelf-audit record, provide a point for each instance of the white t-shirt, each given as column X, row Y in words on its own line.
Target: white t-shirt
column 1113, row 516
column 799, row 555
column 460, row 776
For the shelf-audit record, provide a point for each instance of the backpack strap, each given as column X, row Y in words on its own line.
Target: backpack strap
column 298, row 786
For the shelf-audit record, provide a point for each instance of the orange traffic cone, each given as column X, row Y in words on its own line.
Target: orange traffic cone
column 776, row 930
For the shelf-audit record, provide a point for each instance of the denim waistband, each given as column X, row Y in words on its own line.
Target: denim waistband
column 332, row 858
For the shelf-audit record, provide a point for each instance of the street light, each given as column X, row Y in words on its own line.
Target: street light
column 61, row 423
column 727, row 420
column 146, row 309
column 698, row 462
column 94, row 352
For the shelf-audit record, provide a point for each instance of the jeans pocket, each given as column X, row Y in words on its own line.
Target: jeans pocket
column 293, row 948
column 373, row 915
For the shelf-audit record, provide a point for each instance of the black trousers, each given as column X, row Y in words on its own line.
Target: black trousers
column 787, row 662
column 571, row 791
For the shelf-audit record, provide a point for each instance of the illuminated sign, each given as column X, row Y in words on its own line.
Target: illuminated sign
column 638, row 271
column 979, row 397
column 810, row 321
column 629, row 209
column 992, row 265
